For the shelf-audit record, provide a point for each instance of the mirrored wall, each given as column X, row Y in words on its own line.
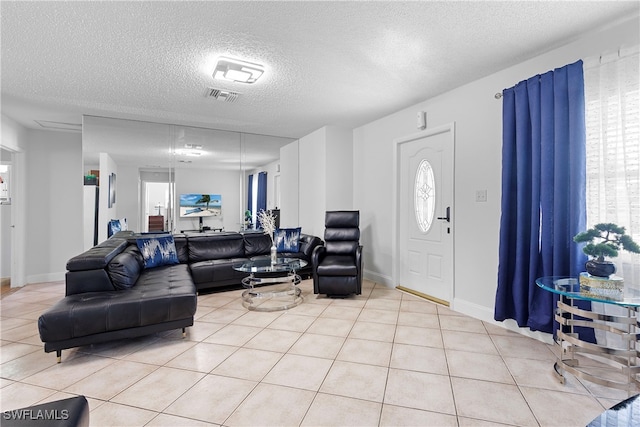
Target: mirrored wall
column 174, row 178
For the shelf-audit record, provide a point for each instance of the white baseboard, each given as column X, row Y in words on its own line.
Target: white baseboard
column 47, row 277
column 471, row 309
column 486, row 315
column 378, row 278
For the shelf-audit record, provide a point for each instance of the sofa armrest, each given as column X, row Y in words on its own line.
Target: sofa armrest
column 359, row 259
column 79, row 282
column 317, row 256
column 308, row 243
column 98, row 256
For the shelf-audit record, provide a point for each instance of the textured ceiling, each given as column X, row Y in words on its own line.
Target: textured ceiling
column 327, row 63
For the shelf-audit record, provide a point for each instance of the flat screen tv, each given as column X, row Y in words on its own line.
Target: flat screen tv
column 200, row 205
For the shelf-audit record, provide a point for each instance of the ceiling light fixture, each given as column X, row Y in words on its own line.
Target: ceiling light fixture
column 235, row 70
column 191, row 150
column 188, row 152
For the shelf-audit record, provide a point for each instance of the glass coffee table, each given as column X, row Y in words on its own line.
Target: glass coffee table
column 271, row 286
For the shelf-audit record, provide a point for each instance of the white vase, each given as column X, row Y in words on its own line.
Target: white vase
column 274, row 254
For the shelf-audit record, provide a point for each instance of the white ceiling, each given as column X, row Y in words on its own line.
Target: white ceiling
column 327, row 63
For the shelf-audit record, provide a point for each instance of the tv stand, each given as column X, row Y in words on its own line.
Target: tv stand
column 203, row 230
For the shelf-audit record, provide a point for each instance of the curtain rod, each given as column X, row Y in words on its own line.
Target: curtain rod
column 621, row 52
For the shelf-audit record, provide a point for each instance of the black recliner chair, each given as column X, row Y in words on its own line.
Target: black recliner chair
column 337, row 266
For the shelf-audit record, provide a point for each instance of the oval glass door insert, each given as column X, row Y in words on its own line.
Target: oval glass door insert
column 424, row 196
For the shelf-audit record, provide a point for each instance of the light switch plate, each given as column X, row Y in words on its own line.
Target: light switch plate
column 481, row 195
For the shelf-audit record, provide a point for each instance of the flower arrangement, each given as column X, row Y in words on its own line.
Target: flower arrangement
column 268, row 222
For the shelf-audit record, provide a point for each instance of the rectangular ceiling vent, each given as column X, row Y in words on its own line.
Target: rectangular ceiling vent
column 222, row 95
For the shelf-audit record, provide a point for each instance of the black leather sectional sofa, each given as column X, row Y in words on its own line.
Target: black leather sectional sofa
column 211, row 256
column 110, row 295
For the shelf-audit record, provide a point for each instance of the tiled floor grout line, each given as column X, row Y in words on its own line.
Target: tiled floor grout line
column 515, row 382
column 452, row 328
column 455, row 405
column 317, row 392
column 261, row 379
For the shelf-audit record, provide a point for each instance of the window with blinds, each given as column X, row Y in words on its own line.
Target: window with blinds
column 612, row 113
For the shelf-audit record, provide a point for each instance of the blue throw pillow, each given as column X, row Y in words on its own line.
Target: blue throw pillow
column 116, row 225
column 158, row 251
column 287, row 239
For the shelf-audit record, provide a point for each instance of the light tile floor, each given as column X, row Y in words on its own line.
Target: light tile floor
column 382, row 358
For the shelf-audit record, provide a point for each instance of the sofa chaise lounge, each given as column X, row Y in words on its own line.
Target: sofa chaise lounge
column 111, row 292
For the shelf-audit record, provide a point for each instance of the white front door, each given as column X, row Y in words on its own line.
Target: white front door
column 424, row 255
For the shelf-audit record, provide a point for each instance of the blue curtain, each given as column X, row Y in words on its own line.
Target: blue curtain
column 262, row 193
column 543, row 192
column 250, row 194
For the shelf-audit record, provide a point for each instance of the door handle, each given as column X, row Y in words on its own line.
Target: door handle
column 448, row 217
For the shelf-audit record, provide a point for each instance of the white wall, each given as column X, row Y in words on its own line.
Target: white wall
column 106, row 213
column 54, row 194
column 339, row 170
column 12, row 134
column 225, row 183
column 477, row 117
column 272, row 171
column 128, row 195
column 312, row 181
column 373, row 182
column 289, row 188
column 325, row 176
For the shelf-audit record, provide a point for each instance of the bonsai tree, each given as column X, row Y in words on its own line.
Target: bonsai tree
column 605, row 240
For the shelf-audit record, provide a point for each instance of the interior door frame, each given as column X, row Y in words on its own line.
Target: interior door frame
column 18, row 227
column 395, row 236
column 145, row 177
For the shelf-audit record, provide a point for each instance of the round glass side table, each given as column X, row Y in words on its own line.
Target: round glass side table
column 619, row 366
column 271, row 286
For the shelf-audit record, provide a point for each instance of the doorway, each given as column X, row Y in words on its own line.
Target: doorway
column 6, row 222
column 156, row 204
column 156, row 201
column 12, row 214
column 424, row 214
